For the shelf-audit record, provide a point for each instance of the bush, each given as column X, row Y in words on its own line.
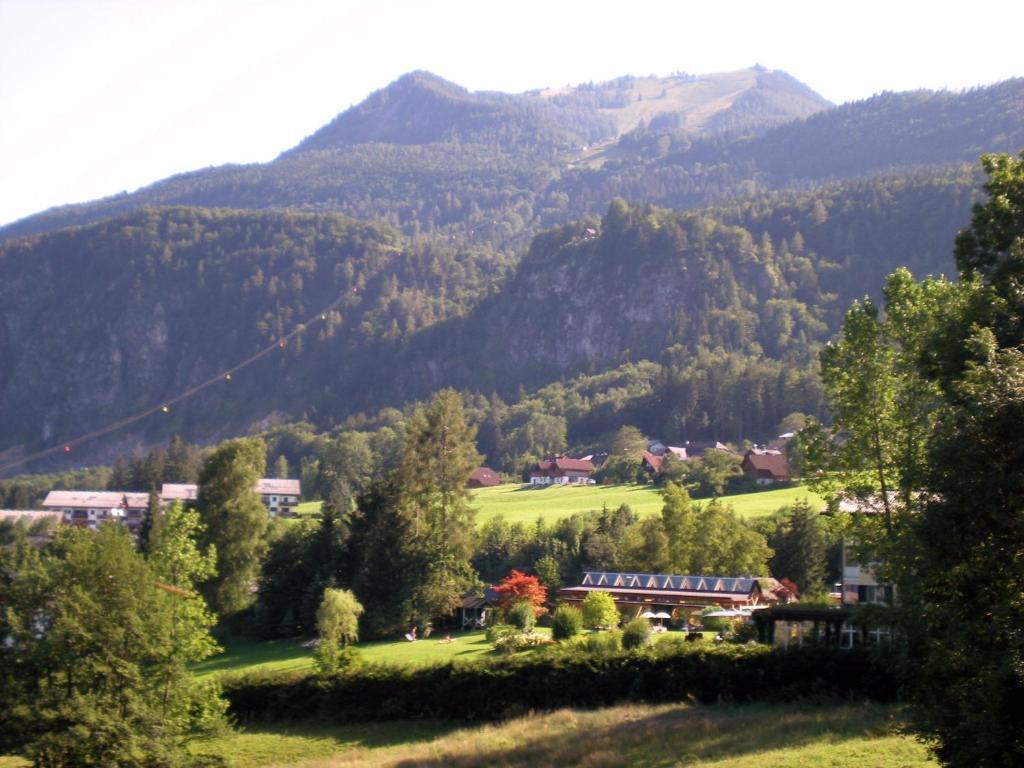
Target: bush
column 496, row 632
column 566, row 623
column 636, row 634
column 520, row 615
column 603, row 642
column 714, row 623
column 520, row 641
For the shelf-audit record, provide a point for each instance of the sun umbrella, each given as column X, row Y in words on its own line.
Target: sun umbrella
column 648, row 614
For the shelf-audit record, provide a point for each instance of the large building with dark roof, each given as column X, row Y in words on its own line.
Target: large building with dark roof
column 679, row 596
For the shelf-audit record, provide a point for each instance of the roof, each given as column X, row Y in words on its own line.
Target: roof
column 561, row 463
column 484, row 476
column 281, row 487
column 28, row 514
column 768, row 462
column 678, row 452
column 95, row 499
column 652, row 460
column 669, row 583
column 179, row 491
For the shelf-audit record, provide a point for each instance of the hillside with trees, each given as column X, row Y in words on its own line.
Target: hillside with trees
column 739, row 293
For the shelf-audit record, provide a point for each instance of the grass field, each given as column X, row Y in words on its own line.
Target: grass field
column 759, row 736
column 524, row 503
column 241, row 655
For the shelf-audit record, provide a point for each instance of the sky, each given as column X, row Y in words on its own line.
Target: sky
column 103, row 96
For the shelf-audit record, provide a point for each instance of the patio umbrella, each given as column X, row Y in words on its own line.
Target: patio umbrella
column 648, row 614
column 663, row 615
column 723, row 614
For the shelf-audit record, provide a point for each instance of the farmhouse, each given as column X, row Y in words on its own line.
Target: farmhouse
column 766, row 467
column 558, row 470
column 87, row 509
column 679, row 596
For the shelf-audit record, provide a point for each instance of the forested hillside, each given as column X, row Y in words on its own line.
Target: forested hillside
column 728, row 304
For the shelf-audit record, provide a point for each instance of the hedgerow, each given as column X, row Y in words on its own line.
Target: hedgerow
column 556, row 678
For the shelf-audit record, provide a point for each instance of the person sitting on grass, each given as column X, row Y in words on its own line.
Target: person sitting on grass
column 411, row 635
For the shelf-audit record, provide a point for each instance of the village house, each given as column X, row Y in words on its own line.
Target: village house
column 279, row 496
column 558, row 470
column 765, row 467
column 87, row 509
column 483, row 477
column 679, row 596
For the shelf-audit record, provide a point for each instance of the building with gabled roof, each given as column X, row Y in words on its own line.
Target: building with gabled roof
column 279, row 495
column 559, row 470
column 87, row 509
column 679, row 595
column 766, row 467
column 483, row 477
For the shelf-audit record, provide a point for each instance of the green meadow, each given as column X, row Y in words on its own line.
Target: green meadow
column 525, row 503
column 754, row 736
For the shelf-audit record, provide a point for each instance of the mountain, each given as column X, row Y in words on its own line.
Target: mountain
column 114, row 317
column 428, row 155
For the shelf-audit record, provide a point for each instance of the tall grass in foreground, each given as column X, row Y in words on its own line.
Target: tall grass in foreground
column 784, row 736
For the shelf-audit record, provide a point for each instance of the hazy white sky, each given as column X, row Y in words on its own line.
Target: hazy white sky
column 100, row 96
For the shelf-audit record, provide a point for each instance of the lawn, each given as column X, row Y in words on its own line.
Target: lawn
column 525, row 503
column 756, row 736
column 242, row 655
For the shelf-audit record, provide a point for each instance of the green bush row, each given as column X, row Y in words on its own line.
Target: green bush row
column 551, row 679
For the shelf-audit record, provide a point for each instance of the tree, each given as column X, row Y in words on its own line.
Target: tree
column 599, row 610
column 520, row 587
column 799, row 545
column 337, row 621
column 235, row 521
column 100, row 641
column 412, row 536
column 715, row 469
column 439, row 455
column 281, row 469
column 965, row 620
column 722, row 543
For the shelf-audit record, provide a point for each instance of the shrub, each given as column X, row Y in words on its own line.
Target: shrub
column 566, row 623
column 521, row 615
column 603, row 642
column 714, row 623
column 636, row 634
column 496, row 632
column 520, row 641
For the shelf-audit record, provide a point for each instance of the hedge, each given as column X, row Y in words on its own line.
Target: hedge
column 545, row 681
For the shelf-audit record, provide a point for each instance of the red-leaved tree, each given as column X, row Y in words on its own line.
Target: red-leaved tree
column 520, row 587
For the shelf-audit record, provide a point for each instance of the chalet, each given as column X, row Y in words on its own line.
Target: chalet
column 278, row 496
column 87, row 509
column 483, row 477
column 680, row 596
column 766, row 467
column 558, row 470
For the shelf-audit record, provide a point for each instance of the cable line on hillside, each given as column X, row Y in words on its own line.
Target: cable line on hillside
column 165, row 405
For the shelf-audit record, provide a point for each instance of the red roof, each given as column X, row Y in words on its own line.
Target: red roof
column 483, row 476
column 653, row 461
